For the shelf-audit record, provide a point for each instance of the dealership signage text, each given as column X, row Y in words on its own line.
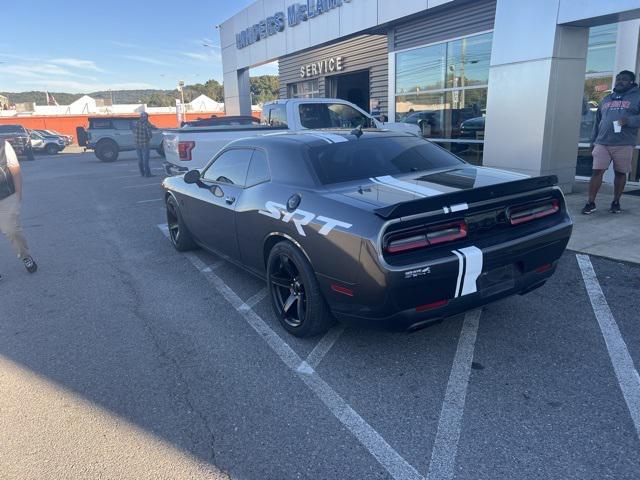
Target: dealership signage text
column 329, row 65
column 296, row 13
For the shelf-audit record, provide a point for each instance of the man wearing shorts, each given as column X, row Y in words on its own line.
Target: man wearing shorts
column 614, row 137
column 10, row 198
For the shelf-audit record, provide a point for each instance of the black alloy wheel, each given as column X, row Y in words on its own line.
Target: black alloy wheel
column 295, row 294
column 178, row 232
column 288, row 291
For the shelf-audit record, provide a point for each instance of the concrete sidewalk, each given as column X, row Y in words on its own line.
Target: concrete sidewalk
column 602, row 233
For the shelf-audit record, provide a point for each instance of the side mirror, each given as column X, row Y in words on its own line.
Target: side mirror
column 192, row 176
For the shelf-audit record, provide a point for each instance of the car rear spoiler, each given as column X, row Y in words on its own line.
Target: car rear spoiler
column 439, row 202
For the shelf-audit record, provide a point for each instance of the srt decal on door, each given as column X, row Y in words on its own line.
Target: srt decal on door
column 301, row 218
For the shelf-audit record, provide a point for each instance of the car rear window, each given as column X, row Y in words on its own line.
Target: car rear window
column 376, row 157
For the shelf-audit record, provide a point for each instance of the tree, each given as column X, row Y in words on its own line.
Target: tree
column 264, row 88
column 159, row 99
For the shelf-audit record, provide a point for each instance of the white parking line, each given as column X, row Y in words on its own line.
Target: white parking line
column 323, row 346
column 152, row 200
column 397, row 466
column 623, row 365
column 445, row 447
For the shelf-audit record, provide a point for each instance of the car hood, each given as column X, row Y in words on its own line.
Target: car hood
column 394, row 189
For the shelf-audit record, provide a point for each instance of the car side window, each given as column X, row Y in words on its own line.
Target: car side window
column 230, row 167
column 100, row 123
column 278, row 116
column 258, row 169
column 122, row 124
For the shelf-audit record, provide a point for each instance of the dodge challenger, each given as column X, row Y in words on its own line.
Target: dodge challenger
column 380, row 229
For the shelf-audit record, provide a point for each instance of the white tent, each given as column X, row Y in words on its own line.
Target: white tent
column 84, row 104
column 204, row 104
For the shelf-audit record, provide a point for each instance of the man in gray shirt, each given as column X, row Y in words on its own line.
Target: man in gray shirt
column 10, row 198
column 614, row 137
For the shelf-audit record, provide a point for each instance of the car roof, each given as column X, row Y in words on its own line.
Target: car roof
column 284, row 101
column 314, row 138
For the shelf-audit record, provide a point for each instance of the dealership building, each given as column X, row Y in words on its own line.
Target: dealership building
column 511, row 84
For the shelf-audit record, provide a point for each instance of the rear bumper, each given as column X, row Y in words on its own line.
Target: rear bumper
column 411, row 319
column 450, row 284
column 173, row 170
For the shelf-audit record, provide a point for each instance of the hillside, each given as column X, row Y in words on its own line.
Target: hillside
column 263, row 88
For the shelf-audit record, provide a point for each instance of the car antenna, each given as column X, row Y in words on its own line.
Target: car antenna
column 357, row 131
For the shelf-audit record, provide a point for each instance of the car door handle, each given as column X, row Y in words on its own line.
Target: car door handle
column 229, row 200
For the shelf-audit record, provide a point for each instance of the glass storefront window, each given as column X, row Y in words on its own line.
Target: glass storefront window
column 421, row 69
column 443, row 89
column 602, row 49
column 469, row 152
column 307, row 89
column 468, row 61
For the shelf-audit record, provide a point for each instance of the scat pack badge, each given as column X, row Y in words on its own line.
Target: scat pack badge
column 418, row 272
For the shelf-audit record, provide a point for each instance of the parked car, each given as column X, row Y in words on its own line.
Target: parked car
column 50, row 144
column 108, row 136
column 197, row 145
column 231, row 120
column 370, row 227
column 68, row 139
column 19, row 139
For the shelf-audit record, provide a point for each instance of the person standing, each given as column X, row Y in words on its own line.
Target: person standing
column 10, row 198
column 614, row 137
column 142, row 133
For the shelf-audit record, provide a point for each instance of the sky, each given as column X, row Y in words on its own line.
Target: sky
column 84, row 46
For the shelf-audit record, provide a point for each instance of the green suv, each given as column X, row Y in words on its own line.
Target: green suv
column 108, row 136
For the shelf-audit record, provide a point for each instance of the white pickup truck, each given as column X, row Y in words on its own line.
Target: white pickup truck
column 191, row 148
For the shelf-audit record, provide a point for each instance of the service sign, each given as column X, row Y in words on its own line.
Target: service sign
column 296, row 13
column 328, row 65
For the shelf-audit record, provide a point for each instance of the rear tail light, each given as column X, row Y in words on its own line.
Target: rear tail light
column 425, row 236
column 532, row 211
column 184, row 150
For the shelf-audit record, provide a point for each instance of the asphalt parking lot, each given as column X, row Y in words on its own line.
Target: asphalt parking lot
column 122, row 358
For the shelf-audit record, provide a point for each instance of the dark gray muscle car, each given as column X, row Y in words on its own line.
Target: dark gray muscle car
column 374, row 228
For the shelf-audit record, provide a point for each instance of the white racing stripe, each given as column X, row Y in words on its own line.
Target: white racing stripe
column 460, row 270
column 390, row 181
column 332, row 137
column 473, row 257
column 470, row 262
column 623, row 366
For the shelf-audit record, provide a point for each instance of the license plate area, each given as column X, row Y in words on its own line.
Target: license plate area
column 497, row 280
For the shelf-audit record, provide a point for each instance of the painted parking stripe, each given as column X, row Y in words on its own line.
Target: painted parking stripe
column 445, row 447
column 623, row 366
column 324, row 345
column 377, row 446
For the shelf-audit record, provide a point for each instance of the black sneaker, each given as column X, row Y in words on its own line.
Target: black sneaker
column 589, row 208
column 615, row 207
column 30, row 265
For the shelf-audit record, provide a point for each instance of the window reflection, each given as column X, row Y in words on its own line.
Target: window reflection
column 443, row 89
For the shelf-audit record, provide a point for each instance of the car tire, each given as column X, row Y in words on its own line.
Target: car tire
column 179, row 234
column 51, row 149
column 107, row 151
column 295, row 294
column 160, row 150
